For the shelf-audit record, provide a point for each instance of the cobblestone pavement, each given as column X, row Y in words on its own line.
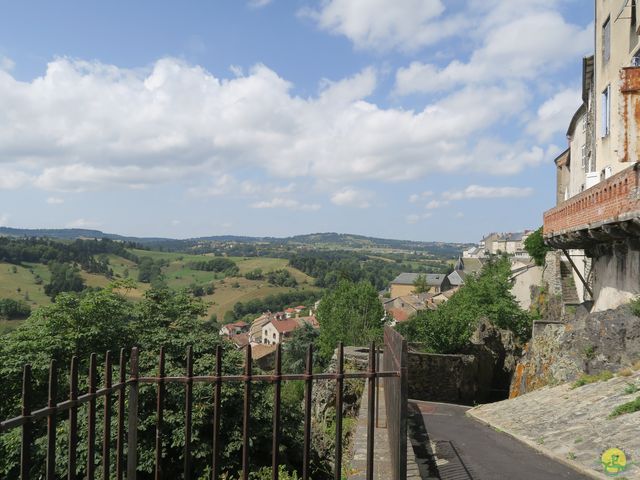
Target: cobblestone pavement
column 572, row 424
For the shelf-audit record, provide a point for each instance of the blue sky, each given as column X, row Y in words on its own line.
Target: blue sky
column 412, row 119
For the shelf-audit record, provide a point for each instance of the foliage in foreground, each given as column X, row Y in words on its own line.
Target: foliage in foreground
column 629, row 407
column 350, row 313
column 98, row 321
column 635, row 307
column 448, row 329
column 585, row 379
column 535, row 247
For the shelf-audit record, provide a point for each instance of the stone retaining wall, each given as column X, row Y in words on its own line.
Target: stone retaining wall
column 443, row 378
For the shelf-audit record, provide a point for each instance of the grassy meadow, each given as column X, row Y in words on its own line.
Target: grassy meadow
column 22, row 285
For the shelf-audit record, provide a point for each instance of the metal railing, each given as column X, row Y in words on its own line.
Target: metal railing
column 125, row 464
column 395, row 395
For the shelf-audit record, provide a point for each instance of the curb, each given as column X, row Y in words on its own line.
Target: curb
column 547, row 453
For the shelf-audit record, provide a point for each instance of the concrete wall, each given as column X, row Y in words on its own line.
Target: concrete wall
column 443, row 378
column 523, row 281
column 616, row 271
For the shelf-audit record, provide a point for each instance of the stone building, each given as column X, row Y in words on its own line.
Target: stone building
column 596, row 222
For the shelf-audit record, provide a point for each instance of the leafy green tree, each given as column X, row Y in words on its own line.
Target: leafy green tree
column 351, row 313
column 11, row 309
column 104, row 320
column 64, row 278
column 295, row 350
column 148, row 270
column 535, row 247
column 420, row 284
column 447, row 329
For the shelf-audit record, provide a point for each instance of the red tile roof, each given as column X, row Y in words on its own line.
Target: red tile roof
column 285, row 326
column 399, row 315
column 241, row 340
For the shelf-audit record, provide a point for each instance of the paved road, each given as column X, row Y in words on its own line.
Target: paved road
column 469, row 450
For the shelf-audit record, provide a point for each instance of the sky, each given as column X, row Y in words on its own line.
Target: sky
column 431, row 120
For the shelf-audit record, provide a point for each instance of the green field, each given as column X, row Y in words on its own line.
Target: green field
column 228, row 291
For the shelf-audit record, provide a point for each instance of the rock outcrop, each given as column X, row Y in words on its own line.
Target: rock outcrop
column 584, row 343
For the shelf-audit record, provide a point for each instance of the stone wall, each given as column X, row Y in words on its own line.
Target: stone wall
column 551, row 274
column 442, row 378
column 481, row 373
column 586, row 343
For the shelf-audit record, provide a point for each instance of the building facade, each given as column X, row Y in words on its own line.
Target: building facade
column 596, row 222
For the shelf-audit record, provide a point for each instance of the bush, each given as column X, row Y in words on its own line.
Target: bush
column 535, row 247
column 635, row 307
column 629, row 407
column 448, row 329
column 587, row 379
column 11, row 309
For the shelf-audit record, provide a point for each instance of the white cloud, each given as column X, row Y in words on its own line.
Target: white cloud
column 55, row 200
column 175, row 223
column 516, row 45
column 478, row 191
column 259, row 3
column 288, row 203
column 414, row 218
column 382, row 25
column 352, row 197
column 82, row 223
column 435, row 204
column 4, row 219
column 6, row 63
column 554, row 115
column 414, row 198
column 89, row 126
column 11, row 179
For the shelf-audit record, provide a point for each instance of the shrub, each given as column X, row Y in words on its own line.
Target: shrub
column 635, row 307
column 629, row 407
column 587, row 379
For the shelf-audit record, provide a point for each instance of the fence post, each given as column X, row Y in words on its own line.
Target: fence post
column 73, row 419
column 308, row 375
column 51, row 421
column 277, row 388
column 159, row 415
column 106, row 434
column 188, row 413
column 403, row 399
column 122, row 379
column 91, row 419
column 25, row 444
column 371, row 427
column 337, row 473
column 246, row 413
column 217, row 393
column 132, row 441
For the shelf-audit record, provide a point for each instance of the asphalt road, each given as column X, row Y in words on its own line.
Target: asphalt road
column 469, row 450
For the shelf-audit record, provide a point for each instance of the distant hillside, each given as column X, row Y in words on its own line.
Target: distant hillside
column 330, row 240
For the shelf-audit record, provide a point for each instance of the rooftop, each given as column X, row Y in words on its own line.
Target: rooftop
column 433, row 279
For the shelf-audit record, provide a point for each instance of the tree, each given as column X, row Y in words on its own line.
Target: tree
column 295, row 350
column 11, row 309
column 148, row 270
column 420, row 284
column 350, row 313
column 64, row 278
column 535, row 247
column 447, row 329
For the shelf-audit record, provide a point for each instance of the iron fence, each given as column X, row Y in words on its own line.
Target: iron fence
column 395, row 395
column 126, row 462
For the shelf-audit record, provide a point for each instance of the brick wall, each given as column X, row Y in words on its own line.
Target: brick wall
column 604, row 202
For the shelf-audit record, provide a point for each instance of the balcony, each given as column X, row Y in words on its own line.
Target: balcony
column 606, row 212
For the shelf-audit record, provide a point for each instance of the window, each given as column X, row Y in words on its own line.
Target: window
column 606, row 111
column 606, row 40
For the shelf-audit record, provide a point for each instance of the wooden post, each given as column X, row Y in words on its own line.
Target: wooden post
column 132, row 440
